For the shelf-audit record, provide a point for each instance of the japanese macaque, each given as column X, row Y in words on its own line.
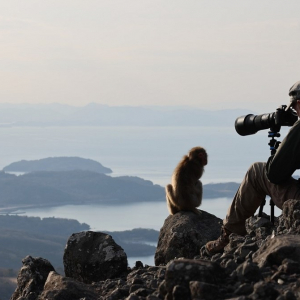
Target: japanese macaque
column 185, row 192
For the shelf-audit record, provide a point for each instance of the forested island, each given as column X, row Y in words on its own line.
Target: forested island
column 57, row 164
column 38, row 189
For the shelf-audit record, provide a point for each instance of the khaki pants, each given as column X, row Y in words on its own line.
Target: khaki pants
column 252, row 192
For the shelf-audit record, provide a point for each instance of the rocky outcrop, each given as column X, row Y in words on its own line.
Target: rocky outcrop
column 276, row 249
column 93, row 256
column 31, row 278
column 183, row 234
column 64, row 288
column 264, row 264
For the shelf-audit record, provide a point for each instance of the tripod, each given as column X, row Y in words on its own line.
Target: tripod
column 273, row 134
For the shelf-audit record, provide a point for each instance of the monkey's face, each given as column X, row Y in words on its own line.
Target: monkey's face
column 203, row 158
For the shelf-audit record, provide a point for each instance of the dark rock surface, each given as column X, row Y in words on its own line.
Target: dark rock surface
column 200, row 274
column 183, row 234
column 93, row 256
column 264, row 264
column 276, row 249
column 64, row 288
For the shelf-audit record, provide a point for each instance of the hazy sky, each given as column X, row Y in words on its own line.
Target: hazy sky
column 210, row 54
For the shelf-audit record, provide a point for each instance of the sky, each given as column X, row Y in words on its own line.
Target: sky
column 208, row 54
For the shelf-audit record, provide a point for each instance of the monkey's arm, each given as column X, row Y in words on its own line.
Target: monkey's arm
column 198, row 193
column 171, row 202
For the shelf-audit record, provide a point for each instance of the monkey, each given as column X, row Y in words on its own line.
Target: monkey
column 185, row 192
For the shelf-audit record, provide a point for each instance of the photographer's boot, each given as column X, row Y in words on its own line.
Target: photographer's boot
column 218, row 245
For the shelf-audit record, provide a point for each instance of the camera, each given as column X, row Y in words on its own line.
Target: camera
column 250, row 124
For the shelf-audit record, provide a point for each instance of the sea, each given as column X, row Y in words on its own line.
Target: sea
column 151, row 153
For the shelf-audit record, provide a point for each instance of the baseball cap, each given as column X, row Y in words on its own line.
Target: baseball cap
column 294, row 93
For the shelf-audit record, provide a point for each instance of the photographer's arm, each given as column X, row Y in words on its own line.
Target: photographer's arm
column 283, row 164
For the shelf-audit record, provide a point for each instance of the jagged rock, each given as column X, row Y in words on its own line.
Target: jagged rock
column 276, row 249
column 58, row 287
column 183, row 234
column 254, row 223
column 31, row 278
column 179, row 273
column 291, row 215
column 93, row 256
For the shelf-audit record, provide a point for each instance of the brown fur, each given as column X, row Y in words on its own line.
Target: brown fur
column 185, row 192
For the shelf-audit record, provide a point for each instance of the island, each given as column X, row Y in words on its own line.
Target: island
column 57, row 164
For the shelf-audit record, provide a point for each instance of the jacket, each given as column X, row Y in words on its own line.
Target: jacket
column 286, row 160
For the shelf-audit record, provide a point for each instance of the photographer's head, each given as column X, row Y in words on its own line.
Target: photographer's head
column 294, row 93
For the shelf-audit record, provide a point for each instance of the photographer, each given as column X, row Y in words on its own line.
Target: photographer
column 272, row 178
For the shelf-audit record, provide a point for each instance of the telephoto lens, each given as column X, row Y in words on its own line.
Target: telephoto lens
column 250, row 124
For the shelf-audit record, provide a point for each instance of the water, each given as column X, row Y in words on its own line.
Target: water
column 122, row 217
column 127, row 217
column 148, row 152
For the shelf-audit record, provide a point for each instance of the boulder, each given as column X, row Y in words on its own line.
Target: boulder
column 93, row 256
column 58, row 287
column 183, row 234
column 31, row 278
column 276, row 249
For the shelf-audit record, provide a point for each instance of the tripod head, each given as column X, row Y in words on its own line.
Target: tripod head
column 273, row 134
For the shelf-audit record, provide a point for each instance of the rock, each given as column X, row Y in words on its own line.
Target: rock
column 234, row 242
column 93, row 256
column 58, row 287
column 244, row 249
column 291, row 215
column 244, row 289
column 183, row 234
column 182, row 271
column 276, row 249
column 180, row 292
column 31, row 278
column 248, row 272
column 202, row 290
column 254, row 223
column 264, row 290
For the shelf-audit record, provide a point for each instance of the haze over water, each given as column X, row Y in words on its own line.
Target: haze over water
column 148, row 152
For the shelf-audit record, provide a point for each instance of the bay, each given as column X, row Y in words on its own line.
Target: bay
column 126, row 217
column 122, row 217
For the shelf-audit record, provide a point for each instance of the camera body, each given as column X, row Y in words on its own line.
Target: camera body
column 250, row 124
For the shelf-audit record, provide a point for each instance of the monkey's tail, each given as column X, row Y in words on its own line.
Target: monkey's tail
column 170, row 200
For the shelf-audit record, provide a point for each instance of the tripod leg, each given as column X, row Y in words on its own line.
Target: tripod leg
column 261, row 208
column 272, row 211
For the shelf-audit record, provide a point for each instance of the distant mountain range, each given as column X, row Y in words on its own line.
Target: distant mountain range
column 103, row 115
